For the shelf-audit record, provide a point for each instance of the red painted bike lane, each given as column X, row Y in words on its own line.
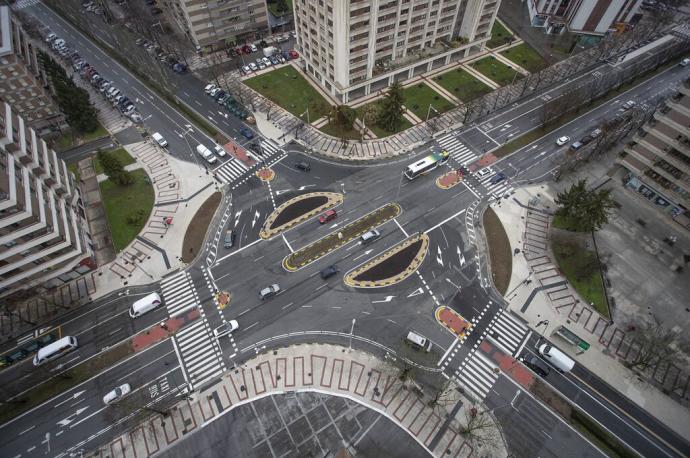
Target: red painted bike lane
column 163, row 330
column 508, row 365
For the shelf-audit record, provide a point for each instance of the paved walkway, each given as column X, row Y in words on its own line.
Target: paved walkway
column 328, row 369
column 180, row 188
column 538, row 291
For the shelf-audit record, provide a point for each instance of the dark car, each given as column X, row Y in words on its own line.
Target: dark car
column 537, row 365
column 302, row 165
column 247, row 133
column 229, row 240
column 329, row 271
column 498, row 178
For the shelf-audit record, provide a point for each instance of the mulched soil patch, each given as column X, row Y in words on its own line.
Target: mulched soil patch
column 323, row 246
column 392, row 266
column 196, row 231
column 299, row 208
column 499, row 251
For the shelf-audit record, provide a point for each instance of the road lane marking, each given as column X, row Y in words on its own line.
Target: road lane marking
column 27, row 430
column 251, row 326
column 401, row 228
column 447, row 219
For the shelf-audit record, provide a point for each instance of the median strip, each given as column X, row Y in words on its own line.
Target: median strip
column 335, row 240
column 297, row 210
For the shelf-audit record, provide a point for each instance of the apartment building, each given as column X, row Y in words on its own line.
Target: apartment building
column 594, row 17
column 43, row 240
column 22, row 80
column 658, row 158
column 352, row 48
column 214, row 23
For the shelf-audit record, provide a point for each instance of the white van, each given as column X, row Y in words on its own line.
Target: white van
column 145, row 304
column 206, row 154
column 159, row 139
column 55, row 350
column 557, row 358
column 418, row 341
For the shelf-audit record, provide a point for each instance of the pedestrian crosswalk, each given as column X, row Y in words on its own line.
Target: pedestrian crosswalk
column 179, row 293
column 496, row 188
column 458, row 151
column 233, row 170
column 200, row 355
column 20, row 4
column 476, row 375
column 507, row 331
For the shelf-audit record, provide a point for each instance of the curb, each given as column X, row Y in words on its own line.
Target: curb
column 334, row 199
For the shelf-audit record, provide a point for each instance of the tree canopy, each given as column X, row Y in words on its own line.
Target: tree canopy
column 585, row 210
column 391, row 109
column 114, row 168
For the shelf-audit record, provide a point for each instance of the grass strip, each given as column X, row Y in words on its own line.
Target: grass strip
column 64, row 381
column 499, row 250
column 196, row 231
column 127, row 207
column 340, row 237
column 535, row 134
column 120, row 153
column 604, row 441
column 499, row 36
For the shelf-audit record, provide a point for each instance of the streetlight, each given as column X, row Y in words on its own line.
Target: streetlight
column 544, row 323
column 352, row 329
column 397, row 194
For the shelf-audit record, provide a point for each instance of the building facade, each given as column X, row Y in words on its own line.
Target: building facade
column 22, row 80
column 43, row 238
column 352, row 48
column 658, row 158
column 595, row 17
column 215, row 23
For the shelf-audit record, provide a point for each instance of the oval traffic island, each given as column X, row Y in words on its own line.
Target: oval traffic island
column 297, row 210
column 391, row 267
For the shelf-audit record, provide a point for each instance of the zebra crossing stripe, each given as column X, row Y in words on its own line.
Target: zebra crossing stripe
column 169, row 280
column 477, row 374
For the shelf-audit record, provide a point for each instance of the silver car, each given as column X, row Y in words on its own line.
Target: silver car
column 117, row 394
column 269, row 291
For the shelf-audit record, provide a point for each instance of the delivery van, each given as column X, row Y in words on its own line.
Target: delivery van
column 144, row 305
column 159, row 139
column 206, row 154
column 556, row 358
column 418, row 341
column 55, row 350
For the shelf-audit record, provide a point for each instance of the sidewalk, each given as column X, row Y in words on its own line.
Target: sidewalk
column 328, row 369
column 538, row 292
column 180, row 188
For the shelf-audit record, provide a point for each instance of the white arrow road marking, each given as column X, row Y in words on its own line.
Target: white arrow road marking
column 449, row 281
column 363, row 254
column 256, row 217
column 282, row 191
column 439, row 258
column 74, row 396
column 416, row 292
column 237, row 217
column 70, row 419
column 387, row 299
column 461, row 257
column 302, row 188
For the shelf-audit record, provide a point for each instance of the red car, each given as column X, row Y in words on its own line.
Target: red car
column 328, row 216
column 293, row 54
column 246, row 49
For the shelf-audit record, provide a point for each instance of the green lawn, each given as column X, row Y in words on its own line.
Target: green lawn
column 119, row 153
column 526, row 57
column 68, row 138
column 74, row 168
column 273, row 7
column 338, row 132
column 378, row 131
column 581, row 268
column 123, row 201
column 287, row 88
column 495, row 70
column 418, row 98
column 98, row 133
column 462, row 85
column 499, row 35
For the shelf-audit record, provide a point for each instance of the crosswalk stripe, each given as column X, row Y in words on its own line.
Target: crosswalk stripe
column 508, row 331
column 458, row 151
column 233, row 169
column 175, row 277
column 477, row 374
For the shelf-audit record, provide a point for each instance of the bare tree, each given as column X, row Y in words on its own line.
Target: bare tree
column 653, row 345
column 479, row 428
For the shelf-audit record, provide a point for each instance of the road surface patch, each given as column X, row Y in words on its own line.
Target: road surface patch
column 335, row 240
column 265, row 174
column 391, row 267
column 450, row 179
column 451, row 320
column 297, row 210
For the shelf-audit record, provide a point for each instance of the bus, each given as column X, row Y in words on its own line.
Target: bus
column 426, row 165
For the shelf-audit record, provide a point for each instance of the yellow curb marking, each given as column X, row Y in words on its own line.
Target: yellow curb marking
column 453, row 172
column 462, row 334
column 271, row 175
column 333, row 199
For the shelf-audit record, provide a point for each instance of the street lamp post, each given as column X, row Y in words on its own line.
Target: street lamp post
column 544, row 323
column 397, row 193
column 352, row 329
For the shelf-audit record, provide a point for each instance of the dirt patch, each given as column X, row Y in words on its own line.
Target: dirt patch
column 499, row 250
column 391, row 266
column 334, row 240
column 297, row 209
column 196, row 231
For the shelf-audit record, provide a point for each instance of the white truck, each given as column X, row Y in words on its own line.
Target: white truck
column 206, row 154
column 268, row 52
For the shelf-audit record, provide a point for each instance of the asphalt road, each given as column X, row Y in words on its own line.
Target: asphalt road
column 449, row 275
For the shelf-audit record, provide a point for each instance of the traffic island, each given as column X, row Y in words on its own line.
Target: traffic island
column 450, row 179
column 265, row 174
column 335, row 240
column 297, row 210
column 196, row 231
column 451, row 320
column 391, row 267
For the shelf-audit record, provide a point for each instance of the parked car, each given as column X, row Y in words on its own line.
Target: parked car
column 246, row 69
column 293, row 54
column 253, row 47
column 685, row 62
column 253, row 66
column 274, row 60
column 628, row 105
column 247, row 133
column 246, row 49
column 209, row 88
column 303, row 165
column 330, row 215
column 266, row 61
column 562, row 140
column 226, row 329
column 117, row 394
column 269, row 291
column 537, row 365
